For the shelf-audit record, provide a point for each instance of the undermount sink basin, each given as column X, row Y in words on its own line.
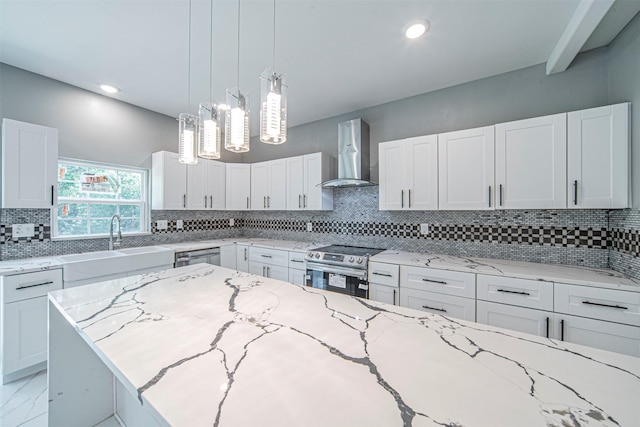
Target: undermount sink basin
column 143, row 250
column 89, row 256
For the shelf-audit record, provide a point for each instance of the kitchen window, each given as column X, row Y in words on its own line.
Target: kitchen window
column 89, row 194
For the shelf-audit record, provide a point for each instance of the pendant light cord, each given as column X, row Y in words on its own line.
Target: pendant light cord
column 189, row 67
column 211, row 60
column 238, row 64
column 274, row 36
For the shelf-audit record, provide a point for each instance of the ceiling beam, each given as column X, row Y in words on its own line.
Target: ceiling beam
column 584, row 21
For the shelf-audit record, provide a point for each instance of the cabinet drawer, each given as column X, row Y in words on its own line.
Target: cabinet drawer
column 439, row 281
column 296, row 261
column 446, row 305
column 520, row 292
column 385, row 274
column 597, row 303
column 30, row 285
column 269, row 256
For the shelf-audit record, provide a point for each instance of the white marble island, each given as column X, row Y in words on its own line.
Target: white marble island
column 204, row 345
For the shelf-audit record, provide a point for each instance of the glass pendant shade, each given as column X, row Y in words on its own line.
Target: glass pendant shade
column 273, row 108
column 209, row 132
column 236, row 125
column 187, row 131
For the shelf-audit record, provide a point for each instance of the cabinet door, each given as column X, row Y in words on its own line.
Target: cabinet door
column 392, row 174
column 609, row 336
column 216, row 182
column 29, row 165
column 446, row 305
column 531, row 163
column 383, row 293
column 259, row 186
column 197, row 195
column 317, row 169
column 277, row 195
column 24, row 341
column 258, row 268
column 520, row 319
column 242, row 258
column 277, row 272
column 466, row 169
column 598, row 157
column 297, row 277
column 421, row 164
column 169, row 181
column 228, row 255
column 238, row 186
column 295, row 182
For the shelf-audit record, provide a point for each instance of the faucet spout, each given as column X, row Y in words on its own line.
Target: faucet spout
column 115, row 244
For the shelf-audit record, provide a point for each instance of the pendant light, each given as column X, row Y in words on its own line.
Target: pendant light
column 188, row 123
column 209, row 132
column 236, row 126
column 273, row 100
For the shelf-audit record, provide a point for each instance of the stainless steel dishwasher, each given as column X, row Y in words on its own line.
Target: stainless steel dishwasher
column 208, row 255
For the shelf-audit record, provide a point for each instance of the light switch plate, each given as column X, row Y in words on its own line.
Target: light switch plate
column 309, row 227
column 161, row 224
column 424, row 229
column 179, row 224
column 23, row 230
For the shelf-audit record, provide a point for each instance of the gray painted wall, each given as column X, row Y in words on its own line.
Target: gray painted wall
column 624, row 85
column 520, row 94
column 91, row 126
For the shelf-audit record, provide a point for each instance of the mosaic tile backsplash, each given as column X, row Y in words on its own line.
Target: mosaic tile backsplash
column 594, row 238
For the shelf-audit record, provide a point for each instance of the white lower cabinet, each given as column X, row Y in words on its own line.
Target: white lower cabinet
column 384, row 280
column 530, row 321
column 297, row 277
column 297, row 269
column 23, row 338
column 270, row 271
column 383, row 293
column 446, row 305
column 609, row 336
column 228, row 256
column 242, row 258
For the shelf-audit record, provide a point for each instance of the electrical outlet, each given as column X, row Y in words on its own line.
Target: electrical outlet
column 179, row 224
column 309, row 227
column 23, row 230
column 424, row 229
column 232, row 222
column 162, row 224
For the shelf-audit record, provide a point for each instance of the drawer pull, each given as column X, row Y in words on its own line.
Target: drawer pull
column 562, row 330
column 513, row 292
column 297, row 260
column 605, row 305
column 547, row 327
column 394, row 297
column 436, row 309
column 50, row 282
column 381, row 274
column 440, row 282
column 266, row 256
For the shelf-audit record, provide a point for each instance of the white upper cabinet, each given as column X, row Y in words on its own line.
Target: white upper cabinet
column 598, row 157
column 29, row 165
column 238, row 185
column 206, row 185
column 217, row 179
column 169, row 181
column 269, row 185
column 531, row 163
column 304, row 176
column 408, row 171
column 466, row 169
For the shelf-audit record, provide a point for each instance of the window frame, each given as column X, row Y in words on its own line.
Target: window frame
column 144, row 202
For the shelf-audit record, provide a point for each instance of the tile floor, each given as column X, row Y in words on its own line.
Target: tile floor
column 24, row 402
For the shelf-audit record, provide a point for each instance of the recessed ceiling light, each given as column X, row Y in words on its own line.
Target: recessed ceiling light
column 109, row 89
column 416, row 28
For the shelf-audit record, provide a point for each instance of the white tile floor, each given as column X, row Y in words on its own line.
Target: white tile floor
column 24, row 402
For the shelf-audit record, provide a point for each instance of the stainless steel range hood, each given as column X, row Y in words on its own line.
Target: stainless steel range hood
column 353, row 155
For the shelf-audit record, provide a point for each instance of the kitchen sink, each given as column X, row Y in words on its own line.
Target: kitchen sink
column 89, row 256
column 143, row 250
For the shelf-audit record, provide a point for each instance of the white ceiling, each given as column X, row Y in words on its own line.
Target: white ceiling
column 339, row 56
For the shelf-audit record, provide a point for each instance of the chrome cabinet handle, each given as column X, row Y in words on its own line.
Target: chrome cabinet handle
column 299, row 201
column 433, row 308
column 211, row 201
column 513, row 292
column 394, row 297
column 575, row 192
column 205, row 202
column 402, row 199
column 263, row 270
column 489, row 196
column 184, row 200
column 268, row 271
column 52, row 187
column 619, row 307
column 247, row 202
column 562, row 330
column 440, row 282
column 268, row 201
column 304, row 199
column 547, row 327
column 265, row 256
column 500, row 188
column 409, row 198
column 245, row 254
column 264, row 201
column 50, row 282
column 297, row 260
column 381, row 274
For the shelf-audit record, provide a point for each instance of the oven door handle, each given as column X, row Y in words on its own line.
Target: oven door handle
column 360, row 274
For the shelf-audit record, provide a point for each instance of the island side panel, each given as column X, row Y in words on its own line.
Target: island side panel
column 80, row 385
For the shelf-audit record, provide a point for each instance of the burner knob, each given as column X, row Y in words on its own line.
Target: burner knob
column 359, row 260
column 317, row 255
column 310, row 255
column 351, row 259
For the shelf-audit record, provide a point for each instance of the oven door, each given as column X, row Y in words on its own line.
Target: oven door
column 337, row 279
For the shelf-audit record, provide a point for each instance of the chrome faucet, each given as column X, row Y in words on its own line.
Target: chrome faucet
column 115, row 244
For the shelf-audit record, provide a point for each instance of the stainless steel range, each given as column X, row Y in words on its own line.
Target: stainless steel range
column 339, row 268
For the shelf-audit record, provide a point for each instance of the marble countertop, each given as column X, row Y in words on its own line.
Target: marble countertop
column 238, row 349
column 604, row 278
column 29, row 265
